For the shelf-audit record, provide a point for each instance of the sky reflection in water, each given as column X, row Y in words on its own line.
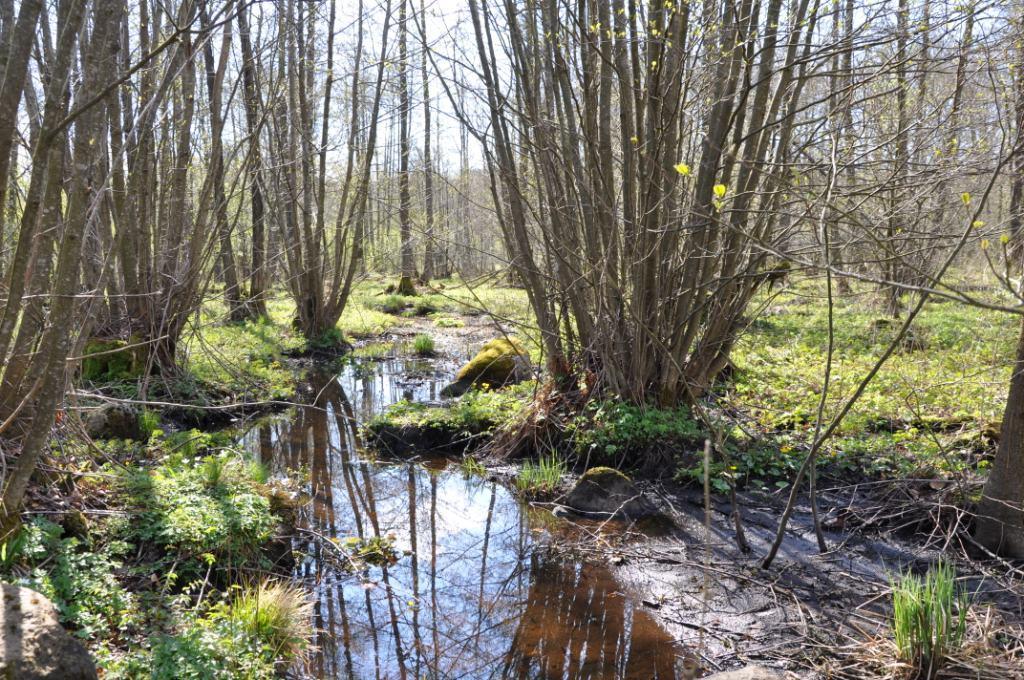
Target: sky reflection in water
column 477, row 595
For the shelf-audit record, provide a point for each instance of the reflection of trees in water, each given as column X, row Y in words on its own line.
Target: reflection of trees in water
column 486, row 604
column 576, row 625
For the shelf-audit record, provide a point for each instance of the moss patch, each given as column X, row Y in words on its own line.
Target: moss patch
column 602, row 475
column 458, row 426
column 111, row 360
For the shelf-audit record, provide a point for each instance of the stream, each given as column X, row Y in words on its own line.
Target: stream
column 474, row 593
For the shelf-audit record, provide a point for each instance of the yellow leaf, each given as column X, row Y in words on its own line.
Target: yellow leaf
column 966, row 198
column 720, row 190
column 977, row 224
column 683, row 169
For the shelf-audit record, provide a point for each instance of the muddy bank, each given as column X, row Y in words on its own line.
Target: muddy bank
column 723, row 608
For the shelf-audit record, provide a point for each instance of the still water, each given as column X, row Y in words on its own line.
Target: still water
column 474, row 592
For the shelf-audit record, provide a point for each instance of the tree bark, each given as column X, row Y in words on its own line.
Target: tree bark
column 408, row 263
column 254, row 166
column 1000, row 520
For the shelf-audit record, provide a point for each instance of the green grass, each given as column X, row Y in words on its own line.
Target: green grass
column 929, row 618
column 423, row 345
column 540, row 477
column 244, row 359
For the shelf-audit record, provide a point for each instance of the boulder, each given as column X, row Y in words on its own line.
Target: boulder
column 501, row 361
column 747, row 673
column 604, row 492
column 115, row 421
column 34, row 645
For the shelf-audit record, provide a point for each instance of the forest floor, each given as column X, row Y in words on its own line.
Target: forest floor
column 105, row 516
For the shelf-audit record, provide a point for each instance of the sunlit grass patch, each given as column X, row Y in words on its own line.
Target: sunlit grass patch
column 279, row 615
column 951, row 379
column 243, row 358
column 442, row 321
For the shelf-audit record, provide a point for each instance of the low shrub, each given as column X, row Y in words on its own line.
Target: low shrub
column 82, row 583
column 610, row 430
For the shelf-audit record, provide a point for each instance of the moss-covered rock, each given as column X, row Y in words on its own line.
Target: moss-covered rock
column 109, row 360
column 501, row 361
column 605, row 492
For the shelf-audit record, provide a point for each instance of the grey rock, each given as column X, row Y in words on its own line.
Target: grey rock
column 33, row 645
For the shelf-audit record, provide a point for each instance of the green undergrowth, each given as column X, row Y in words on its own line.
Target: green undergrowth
column 612, row 432
column 934, row 406
column 477, row 412
column 158, row 576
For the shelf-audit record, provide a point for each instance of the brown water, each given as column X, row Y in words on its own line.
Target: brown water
column 475, row 592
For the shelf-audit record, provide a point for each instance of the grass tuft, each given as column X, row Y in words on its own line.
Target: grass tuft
column 929, row 619
column 278, row 615
column 541, row 477
column 423, row 345
column 471, row 467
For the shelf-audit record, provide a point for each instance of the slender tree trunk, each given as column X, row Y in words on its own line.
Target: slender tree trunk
column 430, row 255
column 15, row 49
column 408, row 263
column 254, row 166
column 214, row 88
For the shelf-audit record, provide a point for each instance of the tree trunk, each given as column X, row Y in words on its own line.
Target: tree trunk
column 408, row 264
column 430, row 254
column 257, row 273
column 1000, row 523
column 214, row 88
